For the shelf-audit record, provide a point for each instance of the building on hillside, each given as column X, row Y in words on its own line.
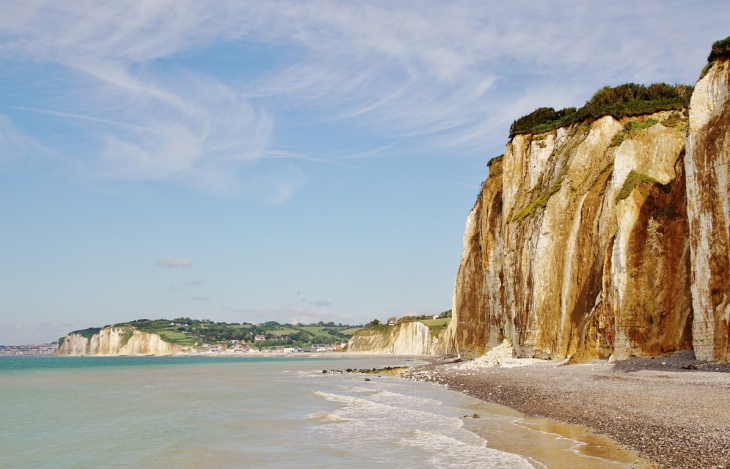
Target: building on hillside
column 259, row 338
column 392, row 321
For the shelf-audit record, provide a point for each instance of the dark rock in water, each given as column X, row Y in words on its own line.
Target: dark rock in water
column 324, row 371
column 475, row 416
column 367, row 379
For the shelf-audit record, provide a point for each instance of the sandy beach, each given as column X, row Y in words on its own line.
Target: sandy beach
column 673, row 411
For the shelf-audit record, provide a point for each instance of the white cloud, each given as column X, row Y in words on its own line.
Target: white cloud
column 173, row 262
column 320, row 303
column 431, row 76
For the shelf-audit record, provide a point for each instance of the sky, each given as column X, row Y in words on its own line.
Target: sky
column 291, row 161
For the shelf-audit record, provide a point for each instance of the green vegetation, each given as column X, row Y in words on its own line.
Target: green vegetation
column 541, row 120
column 128, row 333
column 631, row 129
column 538, row 202
column 188, row 332
column 622, row 101
column 497, row 171
column 720, row 50
column 632, row 180
column 388, row 370
column 675, row 121
column 436, row 325
column 382, row 330
column 88, row 333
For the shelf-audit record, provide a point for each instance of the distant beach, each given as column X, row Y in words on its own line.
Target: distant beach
column 673, row 411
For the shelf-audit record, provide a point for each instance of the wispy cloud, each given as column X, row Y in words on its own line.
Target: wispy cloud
column 173, row 262
column 430, row 76
column 320, row 303
column 15, row 144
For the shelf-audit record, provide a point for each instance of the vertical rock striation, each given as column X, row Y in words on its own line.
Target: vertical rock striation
column 409, row 338
column 119, row 341
column 708, row 192
column 578, row 244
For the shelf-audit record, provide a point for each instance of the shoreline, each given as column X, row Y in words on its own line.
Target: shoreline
column 673, row 412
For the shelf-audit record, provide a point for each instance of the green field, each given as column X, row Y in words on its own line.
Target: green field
column 176, row 337
column 436, row 325
column 186, row 332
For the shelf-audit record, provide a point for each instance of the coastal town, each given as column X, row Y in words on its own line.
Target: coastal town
column 241, row 347
column 30, row 350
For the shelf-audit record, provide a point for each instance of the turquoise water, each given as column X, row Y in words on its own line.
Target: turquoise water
column 191, row 412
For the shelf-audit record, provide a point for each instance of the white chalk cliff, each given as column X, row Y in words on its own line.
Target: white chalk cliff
column 119, row 341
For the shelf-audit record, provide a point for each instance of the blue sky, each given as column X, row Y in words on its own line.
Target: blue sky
column 280, row 160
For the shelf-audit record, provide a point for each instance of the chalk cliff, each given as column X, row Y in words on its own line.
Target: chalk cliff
column 119, row 341
column 707, row 166
column 604, row 236
column 409, row 338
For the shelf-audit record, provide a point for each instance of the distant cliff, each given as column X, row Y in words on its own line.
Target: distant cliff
column 118, row 341
column 604, row 235
column 409, row 338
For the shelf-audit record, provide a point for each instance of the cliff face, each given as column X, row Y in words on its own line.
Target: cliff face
column 119, row 341
column 707, row 165
column 410, row 338
column 579, row 245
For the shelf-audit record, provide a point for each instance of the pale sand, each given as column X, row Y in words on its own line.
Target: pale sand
column 663, row 409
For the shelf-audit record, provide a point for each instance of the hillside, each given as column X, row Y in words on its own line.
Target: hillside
column 409, row 336
column 189, row 335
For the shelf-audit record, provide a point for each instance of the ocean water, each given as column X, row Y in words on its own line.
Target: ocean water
column 216, row 412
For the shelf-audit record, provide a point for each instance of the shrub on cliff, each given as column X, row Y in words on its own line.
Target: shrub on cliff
column 720, row 50
column 621, row 101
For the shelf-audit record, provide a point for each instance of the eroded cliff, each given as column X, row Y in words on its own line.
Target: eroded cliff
column 707, row 165
column 579, row 245
column 409, row 338
column 119, row 341
column 605, row 231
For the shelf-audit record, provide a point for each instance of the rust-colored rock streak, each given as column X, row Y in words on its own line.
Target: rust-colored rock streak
column 708, row 190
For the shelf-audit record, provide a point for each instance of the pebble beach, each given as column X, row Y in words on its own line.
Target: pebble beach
column 674, row 412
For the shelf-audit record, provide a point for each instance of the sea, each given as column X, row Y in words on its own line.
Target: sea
column 267, row 412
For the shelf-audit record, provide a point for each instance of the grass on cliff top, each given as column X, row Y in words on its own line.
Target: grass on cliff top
column 720, row 50
column 380, row 329
column 88, row 333
column 621, row 101
column 632, row 180
column 436, row 325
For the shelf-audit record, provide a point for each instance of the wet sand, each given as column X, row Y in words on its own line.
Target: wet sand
column 673, row 411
